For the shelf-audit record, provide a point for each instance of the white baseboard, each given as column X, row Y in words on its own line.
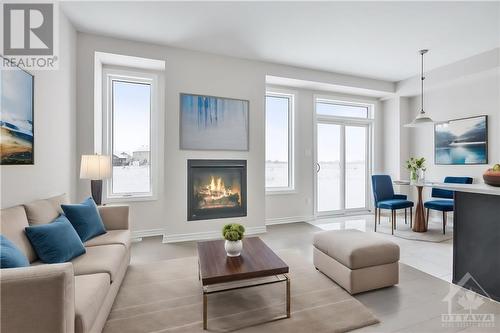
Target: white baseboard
column 291, row 219
column 139, row 234
column 173, row 238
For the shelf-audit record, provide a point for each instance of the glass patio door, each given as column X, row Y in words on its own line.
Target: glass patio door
column 342, row 162
column 329, row 168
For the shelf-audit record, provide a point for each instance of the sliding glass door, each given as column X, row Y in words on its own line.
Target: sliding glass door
column 343, row 155
column 329, row 179
column 342, row 166
column 356, row 166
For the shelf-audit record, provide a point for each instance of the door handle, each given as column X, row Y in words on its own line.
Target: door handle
column 318, row 167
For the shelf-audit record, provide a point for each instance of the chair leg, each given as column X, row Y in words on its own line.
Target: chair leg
column 376, row 209
column 392, row 222
column 406, row 217
column 444, row 222
column 395, row 219
column 411, row 217
column 379, row 215
column 427, row 219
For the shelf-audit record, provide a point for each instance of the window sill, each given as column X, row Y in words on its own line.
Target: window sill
column 281, row 192
column 130, row 199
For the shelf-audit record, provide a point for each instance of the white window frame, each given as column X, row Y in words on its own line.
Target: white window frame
column 369, row 122
column 110, row 74
column 291, row 96
column 334, row 101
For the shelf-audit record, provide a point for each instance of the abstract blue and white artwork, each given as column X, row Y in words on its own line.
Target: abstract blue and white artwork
column 213, row 123
column 462, row 141
column 16, row 116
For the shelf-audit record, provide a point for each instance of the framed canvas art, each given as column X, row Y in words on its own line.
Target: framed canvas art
column 213, row 123
column 16, row 120
column 461, row 141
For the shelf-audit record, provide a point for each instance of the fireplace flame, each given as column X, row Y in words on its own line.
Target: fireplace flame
column 217, row 189
column 215, row 193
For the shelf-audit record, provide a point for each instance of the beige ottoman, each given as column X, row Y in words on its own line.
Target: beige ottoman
column 356, row 260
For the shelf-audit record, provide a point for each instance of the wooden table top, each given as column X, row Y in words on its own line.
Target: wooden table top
column 256, row 260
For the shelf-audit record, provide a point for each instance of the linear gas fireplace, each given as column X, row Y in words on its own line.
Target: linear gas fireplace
column 216, row 189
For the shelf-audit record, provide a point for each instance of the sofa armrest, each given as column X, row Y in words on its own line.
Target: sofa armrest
column 400, row 196
column 38, row 299
column 114, row 217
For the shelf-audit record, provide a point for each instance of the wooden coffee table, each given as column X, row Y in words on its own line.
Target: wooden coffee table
column 258, row 265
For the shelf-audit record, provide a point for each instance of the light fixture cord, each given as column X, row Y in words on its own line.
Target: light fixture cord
column 422, row 78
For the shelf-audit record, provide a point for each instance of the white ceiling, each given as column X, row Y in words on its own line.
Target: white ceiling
column 372, row 39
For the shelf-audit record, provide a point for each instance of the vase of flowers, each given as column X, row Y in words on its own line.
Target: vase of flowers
column 417, row 168
column 233, row 234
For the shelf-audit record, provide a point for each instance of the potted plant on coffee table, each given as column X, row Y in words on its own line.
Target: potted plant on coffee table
column 233, row 234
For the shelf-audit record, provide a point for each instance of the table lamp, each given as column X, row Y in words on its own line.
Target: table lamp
column 96, row 168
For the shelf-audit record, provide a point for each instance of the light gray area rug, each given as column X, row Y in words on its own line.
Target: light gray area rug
column 434, row 231
column 166, row 296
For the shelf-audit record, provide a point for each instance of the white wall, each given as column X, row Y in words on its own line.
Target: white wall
column 299, row 205
column 390, row 111
column 55, row 140
column 195, row 72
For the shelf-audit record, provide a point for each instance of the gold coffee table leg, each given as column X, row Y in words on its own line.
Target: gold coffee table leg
column 205, row 311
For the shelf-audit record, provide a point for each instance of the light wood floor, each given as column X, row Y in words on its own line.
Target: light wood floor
column 414, row 305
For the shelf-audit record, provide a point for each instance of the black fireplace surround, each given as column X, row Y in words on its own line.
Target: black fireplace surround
column 216, row 189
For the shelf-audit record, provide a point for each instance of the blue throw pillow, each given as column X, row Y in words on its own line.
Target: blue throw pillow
column 10, row 255
column 55, row 242
column 85, row 218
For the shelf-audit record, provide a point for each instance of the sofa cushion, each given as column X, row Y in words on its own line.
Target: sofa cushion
column 90, row 292
column 100, row 259
column 12, row 223
column 356, row 249
column 10, row 255
column 85, row 219
column 46, row 210
column 55, row 242
column 111, row 237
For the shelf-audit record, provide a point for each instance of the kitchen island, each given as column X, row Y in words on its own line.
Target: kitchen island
column 476, row 237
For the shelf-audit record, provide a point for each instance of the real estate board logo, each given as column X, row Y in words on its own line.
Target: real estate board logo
column 464, row 306
column 29, row 35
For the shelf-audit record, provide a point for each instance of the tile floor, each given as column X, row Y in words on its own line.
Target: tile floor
column 416, row 304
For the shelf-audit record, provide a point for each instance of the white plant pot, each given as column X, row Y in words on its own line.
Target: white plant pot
column 233, row 248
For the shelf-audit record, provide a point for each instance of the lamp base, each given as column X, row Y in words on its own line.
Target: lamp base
column 96, row 189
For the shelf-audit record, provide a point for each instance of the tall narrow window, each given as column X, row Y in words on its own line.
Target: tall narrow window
column 279, row 143
column 129, row 131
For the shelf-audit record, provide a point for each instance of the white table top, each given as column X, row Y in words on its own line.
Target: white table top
column 472, row 188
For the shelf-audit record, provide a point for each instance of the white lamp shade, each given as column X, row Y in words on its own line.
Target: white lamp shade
column 421, row 119
column 95, row 167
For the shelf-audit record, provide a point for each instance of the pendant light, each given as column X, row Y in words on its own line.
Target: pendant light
column 422, row 118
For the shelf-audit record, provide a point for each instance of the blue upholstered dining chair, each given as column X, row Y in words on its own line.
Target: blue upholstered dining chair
column 385, row 198
column 445, row 202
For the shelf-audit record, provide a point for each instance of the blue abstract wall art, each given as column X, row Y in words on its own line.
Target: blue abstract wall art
column 462, row 141
column 213, row 123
